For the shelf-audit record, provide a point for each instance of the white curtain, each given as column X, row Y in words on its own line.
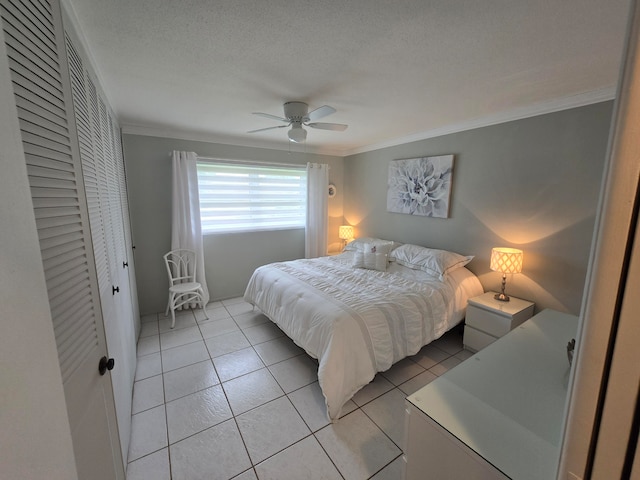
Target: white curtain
column 315, row 244
column 186, row 231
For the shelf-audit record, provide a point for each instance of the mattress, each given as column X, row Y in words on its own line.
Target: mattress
column 358, row 322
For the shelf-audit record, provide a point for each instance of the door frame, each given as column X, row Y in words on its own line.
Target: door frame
column 602, row 401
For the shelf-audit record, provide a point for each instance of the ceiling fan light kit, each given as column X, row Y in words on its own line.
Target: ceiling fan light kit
column 297, row 115
column 297, row 134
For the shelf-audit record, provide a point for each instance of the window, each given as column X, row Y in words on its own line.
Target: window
column 242, row 198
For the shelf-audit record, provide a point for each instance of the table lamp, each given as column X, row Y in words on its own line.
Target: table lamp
column 345, row 232
column 505, row 260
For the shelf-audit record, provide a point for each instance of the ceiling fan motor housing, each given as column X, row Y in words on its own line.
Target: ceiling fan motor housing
column 296, row 112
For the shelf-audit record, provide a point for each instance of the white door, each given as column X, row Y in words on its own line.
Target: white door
column 35, row 435
column 101, row 172
column 119, row 327
column 35, row 47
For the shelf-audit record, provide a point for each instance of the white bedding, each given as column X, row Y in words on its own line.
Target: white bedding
column 357, row 322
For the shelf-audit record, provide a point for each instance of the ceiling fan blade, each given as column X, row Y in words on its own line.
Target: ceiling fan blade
column 320, row 112
column 265, row 129
column 338, row 127
column 273, row 117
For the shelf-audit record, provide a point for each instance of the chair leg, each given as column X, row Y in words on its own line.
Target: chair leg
column 204, row 308
column 170, row 307
column 173, row 317
column 200, row 294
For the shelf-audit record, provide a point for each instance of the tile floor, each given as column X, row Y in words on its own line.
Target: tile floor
column 232, row 397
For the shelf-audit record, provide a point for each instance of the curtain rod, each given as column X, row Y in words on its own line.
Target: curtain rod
column 253, row 162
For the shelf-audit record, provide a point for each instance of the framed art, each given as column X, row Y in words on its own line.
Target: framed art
column 420, row 186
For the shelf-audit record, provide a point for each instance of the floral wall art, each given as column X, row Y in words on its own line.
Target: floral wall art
column 420, row 186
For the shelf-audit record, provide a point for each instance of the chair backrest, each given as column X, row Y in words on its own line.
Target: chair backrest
column 181, row 266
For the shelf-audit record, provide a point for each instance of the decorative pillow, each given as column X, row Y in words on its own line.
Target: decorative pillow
column 374, row 257
column 359, row 244
column 433, row 261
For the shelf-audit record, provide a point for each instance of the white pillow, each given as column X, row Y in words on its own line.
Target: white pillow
column 358, row 244
column 374, row 257
column 433, row 261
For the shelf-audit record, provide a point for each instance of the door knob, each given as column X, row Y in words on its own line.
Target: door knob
column 114, row 289
column 106, row 364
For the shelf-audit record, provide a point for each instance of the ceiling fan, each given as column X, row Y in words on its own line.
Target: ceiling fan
column 297, row 115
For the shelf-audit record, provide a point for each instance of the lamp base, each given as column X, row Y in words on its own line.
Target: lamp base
column 503, row 297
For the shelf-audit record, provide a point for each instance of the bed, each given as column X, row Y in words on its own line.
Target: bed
column 365, row 309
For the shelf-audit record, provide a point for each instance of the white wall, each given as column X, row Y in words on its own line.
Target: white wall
column 531, row 184
column 35, row 439
column 230, row 259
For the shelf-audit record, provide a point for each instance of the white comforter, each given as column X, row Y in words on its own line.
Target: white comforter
column 356, row 322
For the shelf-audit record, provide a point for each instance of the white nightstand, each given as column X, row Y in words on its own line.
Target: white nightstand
column 489, row 319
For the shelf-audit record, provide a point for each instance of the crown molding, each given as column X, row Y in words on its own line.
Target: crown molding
column 162, row 132
column 541, row 108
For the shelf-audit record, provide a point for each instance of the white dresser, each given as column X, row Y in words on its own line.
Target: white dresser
column 500, row 413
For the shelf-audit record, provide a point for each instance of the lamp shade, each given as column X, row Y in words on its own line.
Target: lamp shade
column 345, row 232
column 506, row 260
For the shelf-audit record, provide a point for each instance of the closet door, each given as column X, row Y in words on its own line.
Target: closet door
column 128, row 261
column 35, row 49
column 97, row 133
column 127, row 295
column 117, row 309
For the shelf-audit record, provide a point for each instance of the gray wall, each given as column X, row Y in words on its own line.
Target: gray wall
column 531, row 184
column 229, row 258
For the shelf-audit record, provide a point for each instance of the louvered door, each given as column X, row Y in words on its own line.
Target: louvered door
column 35, row 47
column 127, row 309
column 98, row 134
column 124, row 204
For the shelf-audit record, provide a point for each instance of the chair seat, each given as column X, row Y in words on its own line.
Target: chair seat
column 185, row 287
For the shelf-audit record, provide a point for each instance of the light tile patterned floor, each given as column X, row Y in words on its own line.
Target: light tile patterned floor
column 232, row 397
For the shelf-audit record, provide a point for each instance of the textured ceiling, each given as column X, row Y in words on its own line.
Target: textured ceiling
column 394, row 70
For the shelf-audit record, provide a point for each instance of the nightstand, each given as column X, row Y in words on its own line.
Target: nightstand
column 489, row 319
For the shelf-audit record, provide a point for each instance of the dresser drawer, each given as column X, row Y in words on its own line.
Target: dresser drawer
column 486, row 321
column 475, row 340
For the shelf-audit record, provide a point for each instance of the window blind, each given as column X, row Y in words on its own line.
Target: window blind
column 241, row 198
